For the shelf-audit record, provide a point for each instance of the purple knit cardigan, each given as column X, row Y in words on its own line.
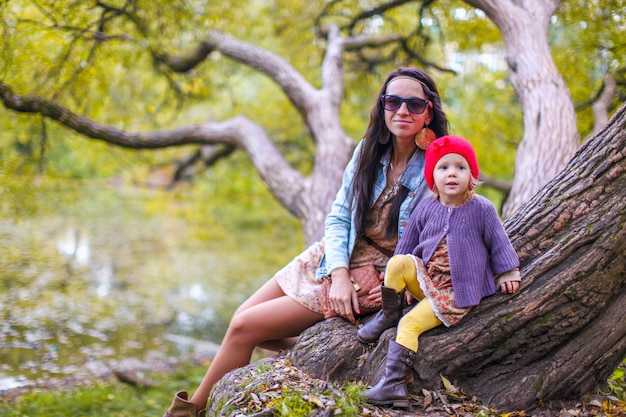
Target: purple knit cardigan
column 478, row 246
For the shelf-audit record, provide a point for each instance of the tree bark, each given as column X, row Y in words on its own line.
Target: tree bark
column 560, row 336
column 550, row 132
column 601, row 105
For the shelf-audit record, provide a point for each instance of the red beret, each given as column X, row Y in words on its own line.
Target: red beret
column 443, row 146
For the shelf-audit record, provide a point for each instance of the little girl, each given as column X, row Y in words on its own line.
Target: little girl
column 452, row 247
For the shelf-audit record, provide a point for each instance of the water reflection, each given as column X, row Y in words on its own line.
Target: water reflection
column 84, row 289
column 73, row 246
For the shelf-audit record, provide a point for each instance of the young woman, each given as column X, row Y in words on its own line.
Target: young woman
column 382, row 184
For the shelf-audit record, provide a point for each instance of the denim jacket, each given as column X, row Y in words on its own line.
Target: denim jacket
column 340, row 231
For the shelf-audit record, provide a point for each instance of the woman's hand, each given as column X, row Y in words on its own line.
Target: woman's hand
column 376, row 294
column 342, row 296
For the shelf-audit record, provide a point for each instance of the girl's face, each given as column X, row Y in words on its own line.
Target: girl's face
column 452, row 178
column 403, row 124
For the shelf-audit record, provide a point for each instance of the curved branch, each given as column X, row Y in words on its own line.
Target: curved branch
column 207, row 154
column 282, row 180
column 503, row 186
column 298, row 90
column 296, row 87
column 332, row 67
column 378, row 10
column 362, row 41
column 184, row 63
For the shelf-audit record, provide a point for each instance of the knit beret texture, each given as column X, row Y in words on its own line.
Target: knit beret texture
column 443, row 146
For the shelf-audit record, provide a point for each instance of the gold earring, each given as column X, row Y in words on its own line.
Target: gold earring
column 424, row 137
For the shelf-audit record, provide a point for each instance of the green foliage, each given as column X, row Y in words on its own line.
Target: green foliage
column 293, row 404
column 617, row 382
column 587, row 40
column 467, row 29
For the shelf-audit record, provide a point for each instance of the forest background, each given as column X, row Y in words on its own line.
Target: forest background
column 120, row 84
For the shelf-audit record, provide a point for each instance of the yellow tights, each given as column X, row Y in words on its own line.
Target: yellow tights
column 400, row 274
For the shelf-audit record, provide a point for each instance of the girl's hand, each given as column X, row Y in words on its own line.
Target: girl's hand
column 509, row 287
column 509, row 281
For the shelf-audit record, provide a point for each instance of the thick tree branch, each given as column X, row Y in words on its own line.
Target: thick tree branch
column 363, row 41
column 239, row 131
column 296, row 87
column 332, row 68
column 306, row 198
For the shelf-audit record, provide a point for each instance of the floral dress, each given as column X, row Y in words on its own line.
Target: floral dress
column 297, row 278
column 436, row 284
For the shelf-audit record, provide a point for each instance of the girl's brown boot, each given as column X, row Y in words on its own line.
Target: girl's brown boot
column 386, row 318
column 181, row 407
column 392, row 389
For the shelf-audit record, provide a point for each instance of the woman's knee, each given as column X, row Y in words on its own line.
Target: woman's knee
column 240, row 326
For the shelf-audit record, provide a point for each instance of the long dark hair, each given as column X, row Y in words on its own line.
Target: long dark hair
column 378, row 141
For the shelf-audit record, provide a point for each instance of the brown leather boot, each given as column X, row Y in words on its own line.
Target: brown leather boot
column 391, row 389
column 386, row 318
column 182, row 408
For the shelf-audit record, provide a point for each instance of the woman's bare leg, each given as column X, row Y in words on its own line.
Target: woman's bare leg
column 268, row 291
column 279, row 345
column 267, row 316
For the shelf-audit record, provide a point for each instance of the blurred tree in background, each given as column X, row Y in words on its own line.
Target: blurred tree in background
column 126, row 67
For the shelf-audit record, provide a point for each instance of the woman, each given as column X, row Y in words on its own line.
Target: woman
column 382, row 184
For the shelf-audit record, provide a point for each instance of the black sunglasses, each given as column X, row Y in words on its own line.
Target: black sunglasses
column 414, row 105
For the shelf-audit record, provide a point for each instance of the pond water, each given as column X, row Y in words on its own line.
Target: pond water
column 93, row 274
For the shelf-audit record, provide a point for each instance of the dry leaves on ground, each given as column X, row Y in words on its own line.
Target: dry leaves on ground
column 265, row 396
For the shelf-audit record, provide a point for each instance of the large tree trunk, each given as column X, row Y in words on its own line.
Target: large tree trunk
column 550, row 132
column 560, row 336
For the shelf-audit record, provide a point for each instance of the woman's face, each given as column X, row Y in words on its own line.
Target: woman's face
column 403, row 124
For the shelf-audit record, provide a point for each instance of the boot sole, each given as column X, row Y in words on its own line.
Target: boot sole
column 395, row 404
column 366, row 342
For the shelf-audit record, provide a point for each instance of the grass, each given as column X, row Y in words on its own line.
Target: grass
column 105, row 399
column 113, row 399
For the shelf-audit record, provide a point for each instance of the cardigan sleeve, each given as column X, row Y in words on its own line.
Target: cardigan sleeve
column 502, row 255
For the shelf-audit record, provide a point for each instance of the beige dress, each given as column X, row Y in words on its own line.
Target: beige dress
column 297, row 278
